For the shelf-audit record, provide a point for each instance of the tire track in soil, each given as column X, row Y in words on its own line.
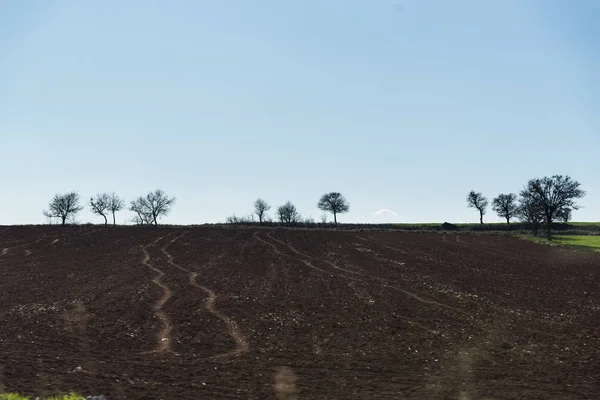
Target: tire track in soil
column 469, row 245
column 210, row 304
column 496, row 251
column 6, row 250
column 28, row 252
column 504, row 317
column 404, row 249
column 504, row 312
column 421, row 255
column 373, row 279
column 164, row 339
column 315, row 258
column 305, row 262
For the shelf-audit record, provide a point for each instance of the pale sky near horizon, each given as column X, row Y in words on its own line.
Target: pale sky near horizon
column 400, row 105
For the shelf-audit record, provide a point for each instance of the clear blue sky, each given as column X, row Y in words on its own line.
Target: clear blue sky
column 401, row 105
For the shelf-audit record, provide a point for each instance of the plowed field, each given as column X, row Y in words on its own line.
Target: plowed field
column 214, row 313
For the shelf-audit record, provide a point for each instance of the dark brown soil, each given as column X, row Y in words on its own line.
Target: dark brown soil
column 210, row 313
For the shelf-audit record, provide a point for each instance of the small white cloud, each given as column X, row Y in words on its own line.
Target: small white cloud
column 385, row 212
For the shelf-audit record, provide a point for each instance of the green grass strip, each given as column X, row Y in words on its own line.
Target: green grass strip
column 16, row 396
column 581, row 242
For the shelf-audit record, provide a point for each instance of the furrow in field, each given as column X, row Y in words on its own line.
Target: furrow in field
column 164, row 339
column 210, row 303
column 373, row 279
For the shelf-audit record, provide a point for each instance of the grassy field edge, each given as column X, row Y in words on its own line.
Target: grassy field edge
column 578, row 242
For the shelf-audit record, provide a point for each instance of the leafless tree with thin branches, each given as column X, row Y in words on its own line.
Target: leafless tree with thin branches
column 505, row 205
column 64, row 207
column 553, row 195
column 115, row 204
column 530, row 212
column 152, row 206
column 99, row 205
column 478, row 201
column 260, row 209
column 140, row 208
column 287, row 214
column 565, row 215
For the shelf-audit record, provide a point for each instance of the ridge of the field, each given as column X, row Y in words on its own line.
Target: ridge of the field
column 592, row 228
column 227, row 312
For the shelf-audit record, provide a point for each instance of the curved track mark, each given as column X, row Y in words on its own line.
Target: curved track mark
column 28, row 252
column 503, row 311
column 404, row 249
column 210, row 304
column 305, row 262
column 164, row 336
column 420, row 255
column 7, row 249
column 314, row 258
column 373, row 279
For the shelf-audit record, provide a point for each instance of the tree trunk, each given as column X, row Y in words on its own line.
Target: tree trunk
column 260, row 218
column 114, row 220
column 334, row 218
column 481, row 217
column 549, row 228
column 507, row 220
column 105, row 220
column 64, row 220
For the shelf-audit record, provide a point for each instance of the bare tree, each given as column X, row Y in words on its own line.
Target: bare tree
column 478, row 201
column 234, row 219
column 505, row 205
column 64, row 207
column 334, row 203
column 99, row 205
column 137, row 220
column 160, row 204
column 152, row 206
column 260, row 209
column 288, row 214
column 115, row 204
column 565, row 215
column 530, row 212
column 140, row 207
column 553, row 195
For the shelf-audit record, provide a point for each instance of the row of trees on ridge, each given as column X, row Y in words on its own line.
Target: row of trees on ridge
column 287, row 214
column 542, row 201
column 64, row 207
